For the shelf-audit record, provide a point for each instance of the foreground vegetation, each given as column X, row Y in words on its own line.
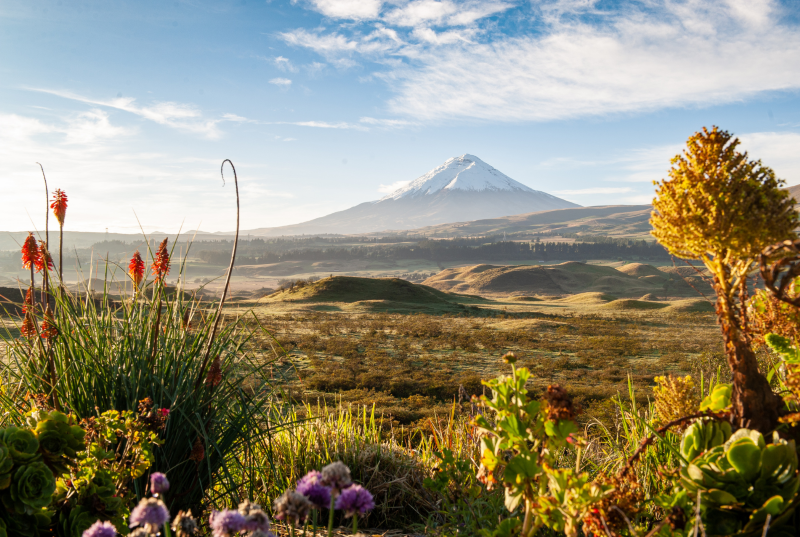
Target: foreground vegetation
column 158, row 413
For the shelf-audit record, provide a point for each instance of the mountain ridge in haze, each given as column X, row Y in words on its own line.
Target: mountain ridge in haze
column 462, row 189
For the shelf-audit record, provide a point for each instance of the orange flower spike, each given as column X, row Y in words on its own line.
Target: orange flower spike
column 28, row 329
column 136, row 268
column 31, row 253
column 161, row 262
column 59, row 205
column 28, row 301
column 44, row 258
column 49, row 329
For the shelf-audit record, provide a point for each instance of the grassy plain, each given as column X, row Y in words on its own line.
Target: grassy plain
column 416, row 351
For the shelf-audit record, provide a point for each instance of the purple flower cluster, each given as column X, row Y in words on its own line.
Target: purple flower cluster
column 317, row 493
column 151, row 513
column 355, row 499
column 227, row 522
column 250, row 517
column 101, row 529
column 158, row 483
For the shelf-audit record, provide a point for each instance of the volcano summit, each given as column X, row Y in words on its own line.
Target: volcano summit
column 462, row 189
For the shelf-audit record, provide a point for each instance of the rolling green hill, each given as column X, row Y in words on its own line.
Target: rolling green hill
column 570, row 278
column 352, row 289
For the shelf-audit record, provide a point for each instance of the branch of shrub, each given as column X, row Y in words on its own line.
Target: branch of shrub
column 663, row 429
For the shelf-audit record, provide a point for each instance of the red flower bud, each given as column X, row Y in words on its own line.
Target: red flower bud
column 161, row 263
column 136, row 268
column 31, row 253
column 59, row 205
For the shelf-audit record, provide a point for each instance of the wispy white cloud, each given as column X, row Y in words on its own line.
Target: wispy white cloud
column 284, row 64
column 282, row 82
column 640, row 56
column 577, row 70
column 323, row 124
column 180, row 116
column 108, row 174
column 382, row 122
column 348, row 9
column 443, row 12
column 778, row 150
column 388, row 189
column 594, row 190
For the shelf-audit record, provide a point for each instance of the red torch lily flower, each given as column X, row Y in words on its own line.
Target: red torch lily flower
column 45, row 262
column 26, row 307
column 59, row 205
column 31, row 253
column 136, row 268
column 49, row 329
column 161, row 262
column 28, row 328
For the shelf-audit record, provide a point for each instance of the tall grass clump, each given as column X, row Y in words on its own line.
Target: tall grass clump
column 88, row 353
column 392, row 463
column 112, row 354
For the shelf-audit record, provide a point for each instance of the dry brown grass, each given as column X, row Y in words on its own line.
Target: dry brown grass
column 413, row 367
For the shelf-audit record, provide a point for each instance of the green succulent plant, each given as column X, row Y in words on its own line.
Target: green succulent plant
column 6, row 464
column 32, row 487
column 719, row 399
column 739, row 479
column 23, row 445
column 18, row 525
column 76, row 521
column 60, row 438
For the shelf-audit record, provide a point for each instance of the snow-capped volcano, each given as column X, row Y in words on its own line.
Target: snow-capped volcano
column 466, row 172
column 462, row 189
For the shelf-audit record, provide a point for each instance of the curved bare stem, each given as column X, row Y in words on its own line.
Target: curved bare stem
column 230, row 272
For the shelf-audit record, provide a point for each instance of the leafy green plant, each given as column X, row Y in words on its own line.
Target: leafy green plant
column 520, row 451
column 31, row 458
column 120, row 449
column 467, row 506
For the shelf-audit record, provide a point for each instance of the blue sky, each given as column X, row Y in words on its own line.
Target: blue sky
column 323, row 104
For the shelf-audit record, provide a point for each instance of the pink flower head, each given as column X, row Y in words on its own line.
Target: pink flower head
column 151, row 513
column 158, row 483
column 355, row 500
column 227, row 522
column 101, row 529
column 317, row 493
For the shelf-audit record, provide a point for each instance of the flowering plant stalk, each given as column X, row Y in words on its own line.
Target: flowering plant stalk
column 59, row 206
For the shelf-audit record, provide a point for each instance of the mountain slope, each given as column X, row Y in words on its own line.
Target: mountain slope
column 463, row 188
column 612, row 220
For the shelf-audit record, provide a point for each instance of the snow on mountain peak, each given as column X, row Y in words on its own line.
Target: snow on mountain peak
column 466, row 172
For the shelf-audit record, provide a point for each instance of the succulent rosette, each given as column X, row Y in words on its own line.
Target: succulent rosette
column 77, row 521
column 28, row 525
column 6, row 464
column 23, row 446
column 58, row 437
column 32, row 487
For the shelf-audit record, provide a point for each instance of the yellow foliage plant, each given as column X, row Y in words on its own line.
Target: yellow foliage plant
column 722, row 209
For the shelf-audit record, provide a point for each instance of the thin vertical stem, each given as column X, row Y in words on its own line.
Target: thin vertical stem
column 45, row 283
column 330, row 517
column 227, row 278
